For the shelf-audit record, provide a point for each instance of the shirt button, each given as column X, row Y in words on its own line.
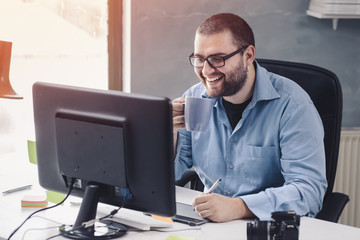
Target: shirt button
column 228, row 193
column 232, row 139
column 231, row 166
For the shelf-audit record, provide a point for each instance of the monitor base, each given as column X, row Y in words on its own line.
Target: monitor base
column 107, row 230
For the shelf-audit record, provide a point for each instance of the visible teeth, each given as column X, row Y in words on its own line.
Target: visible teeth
column 213, row 79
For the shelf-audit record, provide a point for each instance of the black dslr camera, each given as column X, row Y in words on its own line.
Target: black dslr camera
column 284, row 227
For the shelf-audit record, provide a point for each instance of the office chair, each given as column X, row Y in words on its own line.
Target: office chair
column 324, row 89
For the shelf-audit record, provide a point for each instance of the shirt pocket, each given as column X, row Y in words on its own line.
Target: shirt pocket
column 256, row 152
column 262, row 167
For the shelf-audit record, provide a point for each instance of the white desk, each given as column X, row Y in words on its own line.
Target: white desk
column 11, row 215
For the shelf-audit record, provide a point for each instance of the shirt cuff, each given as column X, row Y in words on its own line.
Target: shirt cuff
column 259, row 205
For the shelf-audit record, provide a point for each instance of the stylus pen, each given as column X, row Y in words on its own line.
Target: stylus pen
column 214, row 186
column 17, row 189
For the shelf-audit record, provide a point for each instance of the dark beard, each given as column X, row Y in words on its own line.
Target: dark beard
column 236, row 81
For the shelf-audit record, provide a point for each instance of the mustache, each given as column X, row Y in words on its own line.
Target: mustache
column 218, row 74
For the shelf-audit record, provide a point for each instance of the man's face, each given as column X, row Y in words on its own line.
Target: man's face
column 221, row 81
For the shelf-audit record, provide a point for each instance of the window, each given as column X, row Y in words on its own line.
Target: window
column 57, row 41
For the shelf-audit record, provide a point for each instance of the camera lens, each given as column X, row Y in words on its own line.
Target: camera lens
column 259, row 230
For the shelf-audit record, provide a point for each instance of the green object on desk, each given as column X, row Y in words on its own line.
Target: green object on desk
column 32, row 151
column 174, row 237
column 51, row 196
column 54, row 197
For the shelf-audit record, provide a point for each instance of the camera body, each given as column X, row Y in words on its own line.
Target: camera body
column 284, row 227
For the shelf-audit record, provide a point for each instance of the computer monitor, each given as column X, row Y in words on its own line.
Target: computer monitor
column 117, row 147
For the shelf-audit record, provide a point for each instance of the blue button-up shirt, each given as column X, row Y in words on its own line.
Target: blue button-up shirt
column 274, row 159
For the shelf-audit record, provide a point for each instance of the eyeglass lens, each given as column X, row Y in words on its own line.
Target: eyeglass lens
column 213, row 61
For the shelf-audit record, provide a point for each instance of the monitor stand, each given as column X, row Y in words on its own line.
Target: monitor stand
column 108, row 229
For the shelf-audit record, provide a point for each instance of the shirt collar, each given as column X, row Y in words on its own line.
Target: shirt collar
column 264, row 89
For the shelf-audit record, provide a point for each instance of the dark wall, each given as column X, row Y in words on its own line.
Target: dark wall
column 163, row 34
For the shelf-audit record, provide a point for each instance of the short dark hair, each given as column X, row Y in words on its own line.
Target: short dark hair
column 240, row 29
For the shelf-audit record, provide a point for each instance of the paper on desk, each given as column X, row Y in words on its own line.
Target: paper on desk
column 161, row 218
column 174, row 237
column 186, row 195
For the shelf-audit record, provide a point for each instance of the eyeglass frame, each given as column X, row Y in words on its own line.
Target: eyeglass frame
column 224, row 58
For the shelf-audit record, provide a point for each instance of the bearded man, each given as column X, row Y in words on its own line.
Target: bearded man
column 264, row 138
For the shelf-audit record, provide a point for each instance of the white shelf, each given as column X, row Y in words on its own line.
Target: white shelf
column 334, row 9
column 335, row 17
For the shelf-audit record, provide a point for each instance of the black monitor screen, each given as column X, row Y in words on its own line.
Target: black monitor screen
column 119, row 142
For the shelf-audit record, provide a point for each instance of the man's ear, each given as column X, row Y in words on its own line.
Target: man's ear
column 249, row 55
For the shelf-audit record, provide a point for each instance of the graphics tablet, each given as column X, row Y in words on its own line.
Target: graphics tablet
column 185, row 213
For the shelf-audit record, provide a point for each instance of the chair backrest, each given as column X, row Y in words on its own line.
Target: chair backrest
column 324, row 89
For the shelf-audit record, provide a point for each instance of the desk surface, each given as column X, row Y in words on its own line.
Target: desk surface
column 11, row 216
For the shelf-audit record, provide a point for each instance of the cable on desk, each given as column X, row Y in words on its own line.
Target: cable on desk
column 48, row 219
column 85, row 224
column 43, row 209
column 36, row 229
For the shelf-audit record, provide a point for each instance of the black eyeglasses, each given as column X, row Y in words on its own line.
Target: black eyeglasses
column 214, row 61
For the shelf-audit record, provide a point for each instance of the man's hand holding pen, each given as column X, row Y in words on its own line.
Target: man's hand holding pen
column 219, row 208
column 214, row 186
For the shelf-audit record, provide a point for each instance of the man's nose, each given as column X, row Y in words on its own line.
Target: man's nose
column 207, row 69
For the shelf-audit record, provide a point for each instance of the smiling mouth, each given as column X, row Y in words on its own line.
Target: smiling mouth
column 213, row 79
